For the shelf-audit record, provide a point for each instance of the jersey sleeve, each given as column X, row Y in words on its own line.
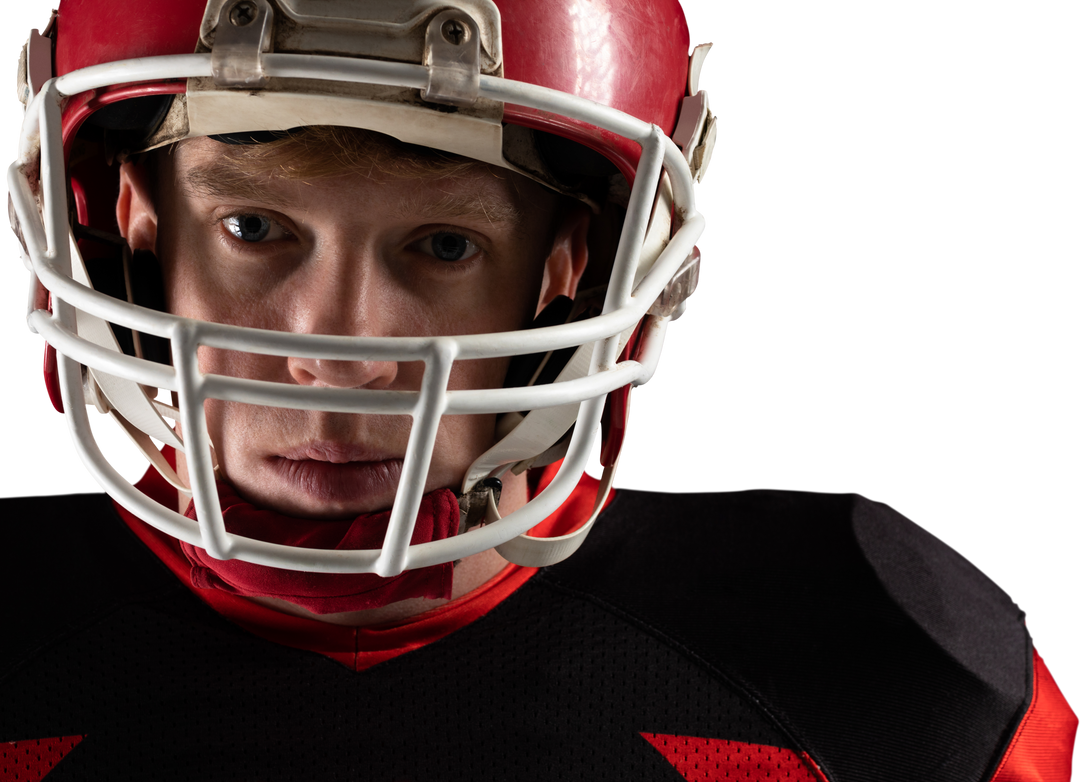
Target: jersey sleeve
column 882, row 652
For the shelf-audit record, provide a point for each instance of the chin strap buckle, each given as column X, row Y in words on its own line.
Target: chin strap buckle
column 481, row 505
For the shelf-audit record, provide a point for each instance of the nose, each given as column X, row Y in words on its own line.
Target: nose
column 342, row 374
column 346, row 307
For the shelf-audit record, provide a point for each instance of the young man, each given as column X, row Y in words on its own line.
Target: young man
column 328, row 231
column 373, row 368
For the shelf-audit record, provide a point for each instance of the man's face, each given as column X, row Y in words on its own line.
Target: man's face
column 361, row 255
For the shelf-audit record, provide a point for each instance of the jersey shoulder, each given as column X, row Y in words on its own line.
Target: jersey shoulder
column 862, row 633
column 68, row 560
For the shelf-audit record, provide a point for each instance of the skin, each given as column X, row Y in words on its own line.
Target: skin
column 351, row 255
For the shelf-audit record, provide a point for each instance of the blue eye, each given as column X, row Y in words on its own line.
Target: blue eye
column 450, row 247
column 250, row 228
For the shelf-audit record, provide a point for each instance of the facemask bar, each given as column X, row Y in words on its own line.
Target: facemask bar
column 47, row 241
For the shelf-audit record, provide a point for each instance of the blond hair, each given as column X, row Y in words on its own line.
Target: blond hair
column 326, row 151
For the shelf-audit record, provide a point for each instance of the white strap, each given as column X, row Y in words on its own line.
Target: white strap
column 126, row 396
column 538, row 431
column 528, row 551
column 150, row 451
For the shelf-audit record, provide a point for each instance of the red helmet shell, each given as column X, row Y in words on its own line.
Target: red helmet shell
column 91, row 32
column 627, row 54
column 598, row 54
column 630, row 55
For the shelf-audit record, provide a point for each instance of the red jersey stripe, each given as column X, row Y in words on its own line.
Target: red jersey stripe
column 704, row 760
column 1042, row 747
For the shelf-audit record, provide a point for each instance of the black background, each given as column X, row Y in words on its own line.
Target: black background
column 877, row 310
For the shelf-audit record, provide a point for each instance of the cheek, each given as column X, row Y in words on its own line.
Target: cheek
column 502, row 297
column 192, row 293
column 239, row 427
column 464, row 437
column 203, row 285
column 240, row 364
column 478, row 374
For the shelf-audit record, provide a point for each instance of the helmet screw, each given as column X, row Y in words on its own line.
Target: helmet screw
column 455, row 32
column 243, row 13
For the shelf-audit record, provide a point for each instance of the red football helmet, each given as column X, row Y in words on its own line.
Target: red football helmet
column 596, row 100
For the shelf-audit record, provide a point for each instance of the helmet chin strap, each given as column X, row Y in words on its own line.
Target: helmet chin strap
column 541, row 552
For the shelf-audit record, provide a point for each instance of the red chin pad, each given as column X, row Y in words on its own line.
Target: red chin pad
column 52, row 379
column 52, row 371
column 325, row 593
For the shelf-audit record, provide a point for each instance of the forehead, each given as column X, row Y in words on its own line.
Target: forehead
column 290, row 174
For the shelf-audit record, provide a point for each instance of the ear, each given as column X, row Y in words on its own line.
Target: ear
column 568, row 258
column 135, row 213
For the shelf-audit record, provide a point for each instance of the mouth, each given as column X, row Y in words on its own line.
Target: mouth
column 339, row 478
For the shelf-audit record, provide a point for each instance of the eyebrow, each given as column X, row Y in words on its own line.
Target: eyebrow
column 223, row 181
column 470, row 207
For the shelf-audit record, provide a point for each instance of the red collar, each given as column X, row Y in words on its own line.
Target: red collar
column 358, row 648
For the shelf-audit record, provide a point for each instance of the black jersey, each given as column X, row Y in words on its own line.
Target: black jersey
column 752, row 636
